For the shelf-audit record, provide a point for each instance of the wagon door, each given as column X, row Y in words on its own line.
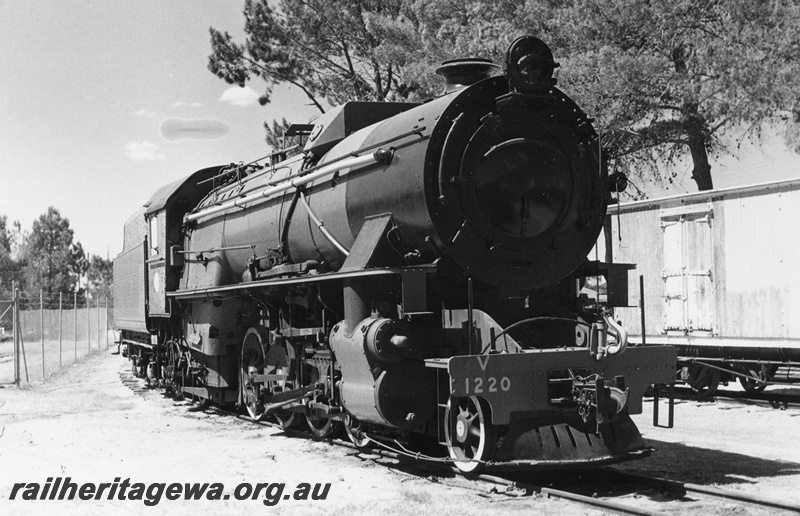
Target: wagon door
column 674, row 289
column 687, row 274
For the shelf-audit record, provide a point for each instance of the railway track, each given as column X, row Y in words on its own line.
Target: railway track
column 778, row 400
column 606, row 489
column 611, row 486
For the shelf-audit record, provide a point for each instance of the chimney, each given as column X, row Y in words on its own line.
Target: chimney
column 459, row 73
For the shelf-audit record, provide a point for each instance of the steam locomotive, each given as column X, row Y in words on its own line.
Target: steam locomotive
column 415, row 270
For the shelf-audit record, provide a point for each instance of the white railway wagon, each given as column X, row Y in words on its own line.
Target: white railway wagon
column 721, row 273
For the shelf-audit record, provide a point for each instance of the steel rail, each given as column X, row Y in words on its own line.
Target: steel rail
column 597, row 502
column 769, row 397
column 568, row 495
column 708, row 491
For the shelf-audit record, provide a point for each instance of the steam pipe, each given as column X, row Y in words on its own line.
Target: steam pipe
column 620, row 334
column 342, row 249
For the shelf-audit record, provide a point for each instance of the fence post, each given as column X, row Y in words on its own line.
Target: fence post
column 14, row 308
column 106, row 323
column 75, row 317
column 97, row 306
column 41, row 327
column 60, row 323
column 88, row 323
column 21, row 343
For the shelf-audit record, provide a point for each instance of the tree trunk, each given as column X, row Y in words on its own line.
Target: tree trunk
column 697, row 142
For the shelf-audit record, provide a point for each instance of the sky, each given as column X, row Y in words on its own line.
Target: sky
column 104, row 101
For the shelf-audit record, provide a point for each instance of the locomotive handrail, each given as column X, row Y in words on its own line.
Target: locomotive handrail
column 291, row 280
column 439, row 196
column 217, row 249
column 615, row 349
column 356, row 162
column 233, row 168
column 418, row 130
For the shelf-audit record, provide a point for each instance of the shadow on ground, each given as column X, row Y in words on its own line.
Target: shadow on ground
column 706, row 466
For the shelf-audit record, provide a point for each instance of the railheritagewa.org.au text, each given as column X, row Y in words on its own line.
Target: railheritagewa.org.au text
column 152, row 493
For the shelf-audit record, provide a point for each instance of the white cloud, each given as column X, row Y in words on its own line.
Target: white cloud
column 241, row 97
column 183, row 103
column 145, row 113
column 143, row 151
column 202, row 129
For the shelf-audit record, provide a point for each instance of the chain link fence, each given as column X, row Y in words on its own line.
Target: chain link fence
column 41, row 333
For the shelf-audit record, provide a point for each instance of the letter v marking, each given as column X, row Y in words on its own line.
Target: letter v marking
column 483, row 361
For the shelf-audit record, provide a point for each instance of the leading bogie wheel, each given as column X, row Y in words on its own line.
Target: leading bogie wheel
column 469, row 433
column 355, row 432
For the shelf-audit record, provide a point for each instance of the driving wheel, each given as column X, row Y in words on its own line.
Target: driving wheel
column 251, row 363
column 280, row 361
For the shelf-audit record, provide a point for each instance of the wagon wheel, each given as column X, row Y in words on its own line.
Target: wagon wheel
column 280, row 359
column 703, row 380
column 469, row 434
column 319, row 425
column 757, row 379
column 251, row 362
column 355, row 432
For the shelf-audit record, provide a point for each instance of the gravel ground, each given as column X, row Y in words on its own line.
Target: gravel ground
column 85, row 424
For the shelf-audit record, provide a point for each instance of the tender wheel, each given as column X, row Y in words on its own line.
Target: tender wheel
column 173, row 370
column 138, row 363
column 355, row 432
column 703, row 380
column 469, row 434
column 252, row 362
column 134, row 368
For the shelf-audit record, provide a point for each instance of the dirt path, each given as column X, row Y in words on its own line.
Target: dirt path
column 87, row 425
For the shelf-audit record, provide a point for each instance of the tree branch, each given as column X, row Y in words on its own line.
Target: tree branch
column 277, row 75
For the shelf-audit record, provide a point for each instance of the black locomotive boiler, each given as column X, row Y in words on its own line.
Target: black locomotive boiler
column 415, row 270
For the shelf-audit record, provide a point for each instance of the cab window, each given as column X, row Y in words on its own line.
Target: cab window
column 154, row 235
